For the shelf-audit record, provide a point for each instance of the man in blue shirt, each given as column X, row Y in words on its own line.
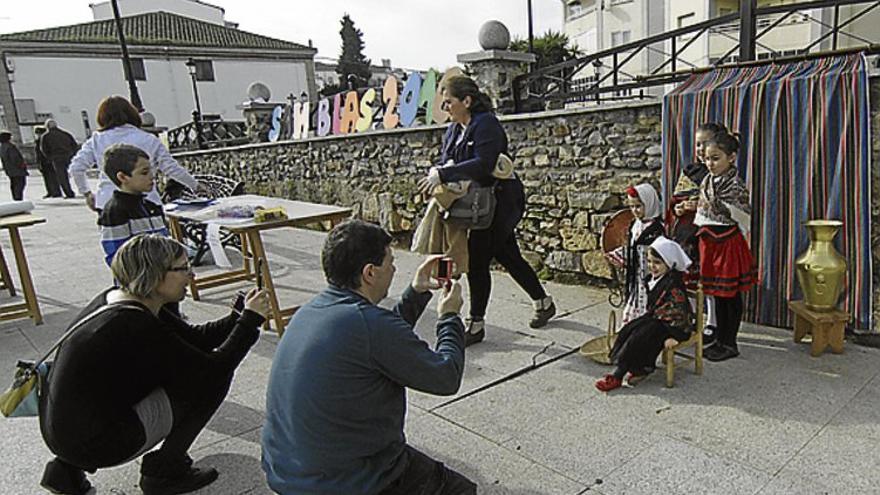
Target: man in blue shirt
column 336, row 400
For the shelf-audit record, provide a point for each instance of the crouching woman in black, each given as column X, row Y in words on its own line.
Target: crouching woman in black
column 668, row 320
column 135, row 375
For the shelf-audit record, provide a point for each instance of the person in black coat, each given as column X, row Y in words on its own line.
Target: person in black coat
column 13, row 165
column 59, row 146
column 53, row 190
column 470, row 150
column 135, row 375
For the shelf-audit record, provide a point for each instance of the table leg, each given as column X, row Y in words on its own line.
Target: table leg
column 27, row 285
column 4, row 273
column 177, row 234
column 260, row 254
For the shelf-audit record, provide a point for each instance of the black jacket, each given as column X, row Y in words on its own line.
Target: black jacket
column 474, row 156
column 59, row 146
column 13, row 163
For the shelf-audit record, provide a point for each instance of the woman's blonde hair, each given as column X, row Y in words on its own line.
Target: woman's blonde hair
column 142, row 262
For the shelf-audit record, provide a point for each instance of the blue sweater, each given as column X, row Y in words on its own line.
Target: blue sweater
column 336, row 399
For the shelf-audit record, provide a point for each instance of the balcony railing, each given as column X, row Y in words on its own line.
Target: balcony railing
column 620, row 72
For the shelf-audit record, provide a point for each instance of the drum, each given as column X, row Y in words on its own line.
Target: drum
column 614, row 235
column 615, row 231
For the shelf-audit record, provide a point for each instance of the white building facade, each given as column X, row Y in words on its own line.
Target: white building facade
column 597, row 25
column 64, row 72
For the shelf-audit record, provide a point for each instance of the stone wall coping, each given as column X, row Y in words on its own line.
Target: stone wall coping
column 501, row 55
column 549, row 114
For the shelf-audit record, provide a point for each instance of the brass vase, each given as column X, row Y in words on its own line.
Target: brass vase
column 821, row 269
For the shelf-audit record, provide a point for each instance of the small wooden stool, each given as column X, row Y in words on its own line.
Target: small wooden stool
column 826, row 327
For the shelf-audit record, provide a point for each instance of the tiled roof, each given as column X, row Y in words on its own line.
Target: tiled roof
column 152, row 29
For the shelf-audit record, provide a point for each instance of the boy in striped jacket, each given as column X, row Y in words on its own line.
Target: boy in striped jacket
column 128, row 213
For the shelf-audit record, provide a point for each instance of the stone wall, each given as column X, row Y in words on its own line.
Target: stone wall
column 574, row 164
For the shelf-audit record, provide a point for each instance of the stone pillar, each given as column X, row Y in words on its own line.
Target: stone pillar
column 495, row 68
column 258, row 119
column 494, row 71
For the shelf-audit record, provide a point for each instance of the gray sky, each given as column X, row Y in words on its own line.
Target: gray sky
column 412, row 33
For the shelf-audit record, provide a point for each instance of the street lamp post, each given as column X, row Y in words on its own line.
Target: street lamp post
column 197, row 113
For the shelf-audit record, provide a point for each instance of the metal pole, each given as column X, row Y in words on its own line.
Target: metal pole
column 126, row 62
column 836, row 27
column 196, row 95
column 531, row 32
column 747, row 29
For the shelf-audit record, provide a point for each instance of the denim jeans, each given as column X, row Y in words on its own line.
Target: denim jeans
column 425, row 476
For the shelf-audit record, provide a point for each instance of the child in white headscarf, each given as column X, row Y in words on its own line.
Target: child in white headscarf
column 668, row 320
column 647, row 225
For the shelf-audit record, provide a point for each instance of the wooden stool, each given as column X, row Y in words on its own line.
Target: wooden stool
column 826, row 327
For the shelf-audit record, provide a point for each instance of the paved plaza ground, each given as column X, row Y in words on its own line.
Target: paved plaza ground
column 527, row 419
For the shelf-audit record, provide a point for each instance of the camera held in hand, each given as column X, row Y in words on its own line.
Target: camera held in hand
column 444, row 271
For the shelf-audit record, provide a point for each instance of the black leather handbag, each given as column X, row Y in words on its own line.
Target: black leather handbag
column 475, row 210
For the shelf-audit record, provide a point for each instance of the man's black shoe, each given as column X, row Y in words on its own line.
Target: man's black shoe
column 60, row 477
column 720, row 352
column 190, row 481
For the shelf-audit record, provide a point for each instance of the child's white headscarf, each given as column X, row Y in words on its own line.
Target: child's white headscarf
column 648, row 196
column 651, row 201
column 673, row 255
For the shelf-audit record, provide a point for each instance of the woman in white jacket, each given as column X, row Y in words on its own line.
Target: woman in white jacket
column 119, row 122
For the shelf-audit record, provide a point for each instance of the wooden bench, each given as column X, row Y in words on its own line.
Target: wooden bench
column 826, row 327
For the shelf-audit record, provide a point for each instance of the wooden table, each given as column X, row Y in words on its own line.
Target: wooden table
column 30, row 308
column 299, row 214
column 826, row 327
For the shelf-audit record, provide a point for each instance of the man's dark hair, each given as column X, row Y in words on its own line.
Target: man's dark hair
column 122, row 158
column 349, row 247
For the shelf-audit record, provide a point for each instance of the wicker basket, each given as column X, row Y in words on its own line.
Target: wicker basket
column 598, row 348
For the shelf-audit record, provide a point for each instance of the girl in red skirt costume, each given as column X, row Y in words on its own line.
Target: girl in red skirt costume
column 726, row 267
column 683, row 208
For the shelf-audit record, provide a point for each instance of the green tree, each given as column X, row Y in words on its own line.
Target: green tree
column 352, row 61
column 551, row 48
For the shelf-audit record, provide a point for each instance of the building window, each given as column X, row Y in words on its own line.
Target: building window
column 577, row 8
column 138, row 71
column 620, row 37
column 204, row 70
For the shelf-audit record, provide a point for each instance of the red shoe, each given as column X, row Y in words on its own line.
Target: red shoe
column 609, row 383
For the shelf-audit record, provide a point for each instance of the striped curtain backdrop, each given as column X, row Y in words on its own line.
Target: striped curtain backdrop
column 805, row 154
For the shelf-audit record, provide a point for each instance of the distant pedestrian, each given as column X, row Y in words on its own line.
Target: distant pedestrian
column 59, row 146
column 53, row 190
column 119, row 122
column 13, row 164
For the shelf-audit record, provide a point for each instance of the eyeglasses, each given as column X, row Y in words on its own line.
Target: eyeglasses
column 185, row 268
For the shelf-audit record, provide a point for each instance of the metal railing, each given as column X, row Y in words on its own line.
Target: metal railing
column 616, row 73
column 203, row 134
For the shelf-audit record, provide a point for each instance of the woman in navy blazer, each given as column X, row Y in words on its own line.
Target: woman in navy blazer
column 470, row 150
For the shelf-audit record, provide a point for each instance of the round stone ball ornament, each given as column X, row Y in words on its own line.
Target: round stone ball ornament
column 494, row 36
